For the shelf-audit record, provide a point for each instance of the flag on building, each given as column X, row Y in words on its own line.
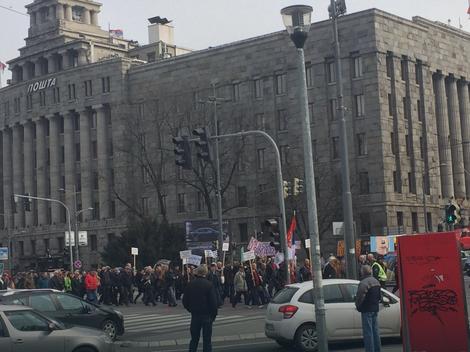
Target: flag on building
column 290, row 232
column 2, row 66
column 116, row 33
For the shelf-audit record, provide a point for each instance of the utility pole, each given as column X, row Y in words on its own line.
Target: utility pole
column 336, row 9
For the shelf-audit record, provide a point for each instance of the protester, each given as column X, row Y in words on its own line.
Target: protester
column 240, row 286
column 305, row 272
column 367, row 303
column 200, row 300
column 91, row 286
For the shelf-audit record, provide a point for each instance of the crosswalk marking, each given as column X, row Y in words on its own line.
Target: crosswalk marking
column 150, row 322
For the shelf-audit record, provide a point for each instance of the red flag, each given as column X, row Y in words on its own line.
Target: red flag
column 290, row 232
column 2, row 66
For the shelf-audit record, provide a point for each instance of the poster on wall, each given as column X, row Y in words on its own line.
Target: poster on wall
column 433, row 297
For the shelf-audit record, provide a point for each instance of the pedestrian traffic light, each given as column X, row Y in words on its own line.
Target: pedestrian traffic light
column 204, row 151
column 183, row 152
column 450, row 216
column 273, row 230
column 26, row 203
column 298, row 186
column 286, row 189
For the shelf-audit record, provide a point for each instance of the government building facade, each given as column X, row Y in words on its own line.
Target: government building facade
column 88, row 118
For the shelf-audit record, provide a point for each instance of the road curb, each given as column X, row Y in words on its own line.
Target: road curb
column 185, row 342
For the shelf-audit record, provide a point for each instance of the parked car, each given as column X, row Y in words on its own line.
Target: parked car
column 22, row 329
column 290, row 320
column 68, row 309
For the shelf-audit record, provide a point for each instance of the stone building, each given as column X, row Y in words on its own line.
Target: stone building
column 94, row 115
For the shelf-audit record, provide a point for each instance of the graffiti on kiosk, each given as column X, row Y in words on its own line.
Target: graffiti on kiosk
column 433, row 301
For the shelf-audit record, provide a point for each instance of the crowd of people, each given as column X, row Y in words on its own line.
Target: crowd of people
column 256, row 281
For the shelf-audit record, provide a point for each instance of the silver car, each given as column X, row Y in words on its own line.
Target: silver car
column 22, row 329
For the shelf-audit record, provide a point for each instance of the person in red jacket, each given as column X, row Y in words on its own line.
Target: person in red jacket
column 91, row 285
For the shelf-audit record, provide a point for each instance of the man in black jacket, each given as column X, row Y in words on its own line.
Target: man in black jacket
column 200, row 300
column 367, row 302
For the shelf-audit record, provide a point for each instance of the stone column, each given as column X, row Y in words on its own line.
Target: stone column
column 28, row 152
column 41, row 170
column 86, row 16
column 7, row 174
column 103, row 160
column 59, row 12
column 94, row 18
column 69, row 146
column 18, row 172
column 38, row 71
column 443, row 136
column 65, row 59
column 455, row 138
column 82, row 59
column 26, row 71
column 68, row 12
column 54, row 150
column 85, row 164
column 464, row 108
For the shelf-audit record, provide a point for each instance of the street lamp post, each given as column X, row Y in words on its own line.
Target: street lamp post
column 425, row 187
column 297, row 20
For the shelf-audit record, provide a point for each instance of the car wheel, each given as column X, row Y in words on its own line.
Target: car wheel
column 110, row 329
column 306, row 338
column 284, row 343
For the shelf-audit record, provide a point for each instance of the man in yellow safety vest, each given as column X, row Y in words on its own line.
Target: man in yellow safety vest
column 379, row 271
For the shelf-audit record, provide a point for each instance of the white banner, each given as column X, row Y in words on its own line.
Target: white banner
column 298, row 244
column 307, row 243
column 185, row 254
column 247, row 256
column 194, row 260
column 225, row 246
column 210, row 254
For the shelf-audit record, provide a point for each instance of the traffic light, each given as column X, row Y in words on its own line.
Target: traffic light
column 26, row 203
column 183, row 152
column 298, row 186
column 450, row 214
column 204, row 151
column 273, row 230
column 286, row 189
column 340, row 9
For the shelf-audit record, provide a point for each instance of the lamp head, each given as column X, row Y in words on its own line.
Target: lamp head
column 297, row 19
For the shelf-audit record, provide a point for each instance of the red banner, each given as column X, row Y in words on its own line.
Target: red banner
column 433, row 298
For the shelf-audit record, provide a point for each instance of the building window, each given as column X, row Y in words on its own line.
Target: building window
column 414, row 221
column 396, row 186
column 106, row 84
column 93, row 243
column 335, row 148
column 47, row 245
column 261, row 121
column 242, row 196
column 364, row 182
column 96, row 211
column 331, row 71
column 76, row 122
column 310, row 113
column 94, row 149
column 62, row 154
column 181, row 202
column 77, row 13
column 236, row 91
column 365, row 223
column 56, row 92
column 411, row 183
column 95, row 181
column 360, row 106
column 260, row 154
column 418, row 71
column 88, row 88
column 408, row 145
column 72, row 91
column 284, row 152
column 243, row 229
column 361, row 144
column 145, row 206
column 93, row 120
column 21, row 248
column 77, row 151
column 389, row 64
column 332, row 109
column 357, row 66
column 429, row 221
column 6, row 108
column 200, row 201
column 112, row 209
column 29, row 102
column 111, row 178
column 258, row 88
column 405, row 108
column 17, row 105
column 400, row 218
column 33, row 246
column 281, row 83
column 421, row 147
column 78, row 182
column 151, row 57
column 282, row 120
column 404, row 69
column 309, row 76
column 60, row 243
column 42, row 98
column 393, row 143
column 314, row 150
column 390, row 105
column 419, row 110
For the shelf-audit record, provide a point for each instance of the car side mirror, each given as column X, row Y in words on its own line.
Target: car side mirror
column 386, row 301
column 51, row 327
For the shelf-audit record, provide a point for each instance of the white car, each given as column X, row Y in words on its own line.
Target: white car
column 290, row 317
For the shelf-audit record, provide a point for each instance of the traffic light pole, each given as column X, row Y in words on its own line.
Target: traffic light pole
column 280, row 192
column 68, row 221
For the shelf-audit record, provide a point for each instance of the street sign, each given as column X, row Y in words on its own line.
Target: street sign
column 82, row 238
column 134, row 251
column 3, row 253
column 338, row 228
column 77, row 264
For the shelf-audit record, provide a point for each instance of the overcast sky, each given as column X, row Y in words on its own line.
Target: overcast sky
column 203, row 23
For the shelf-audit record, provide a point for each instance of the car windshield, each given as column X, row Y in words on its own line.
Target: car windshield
column 285, row 295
